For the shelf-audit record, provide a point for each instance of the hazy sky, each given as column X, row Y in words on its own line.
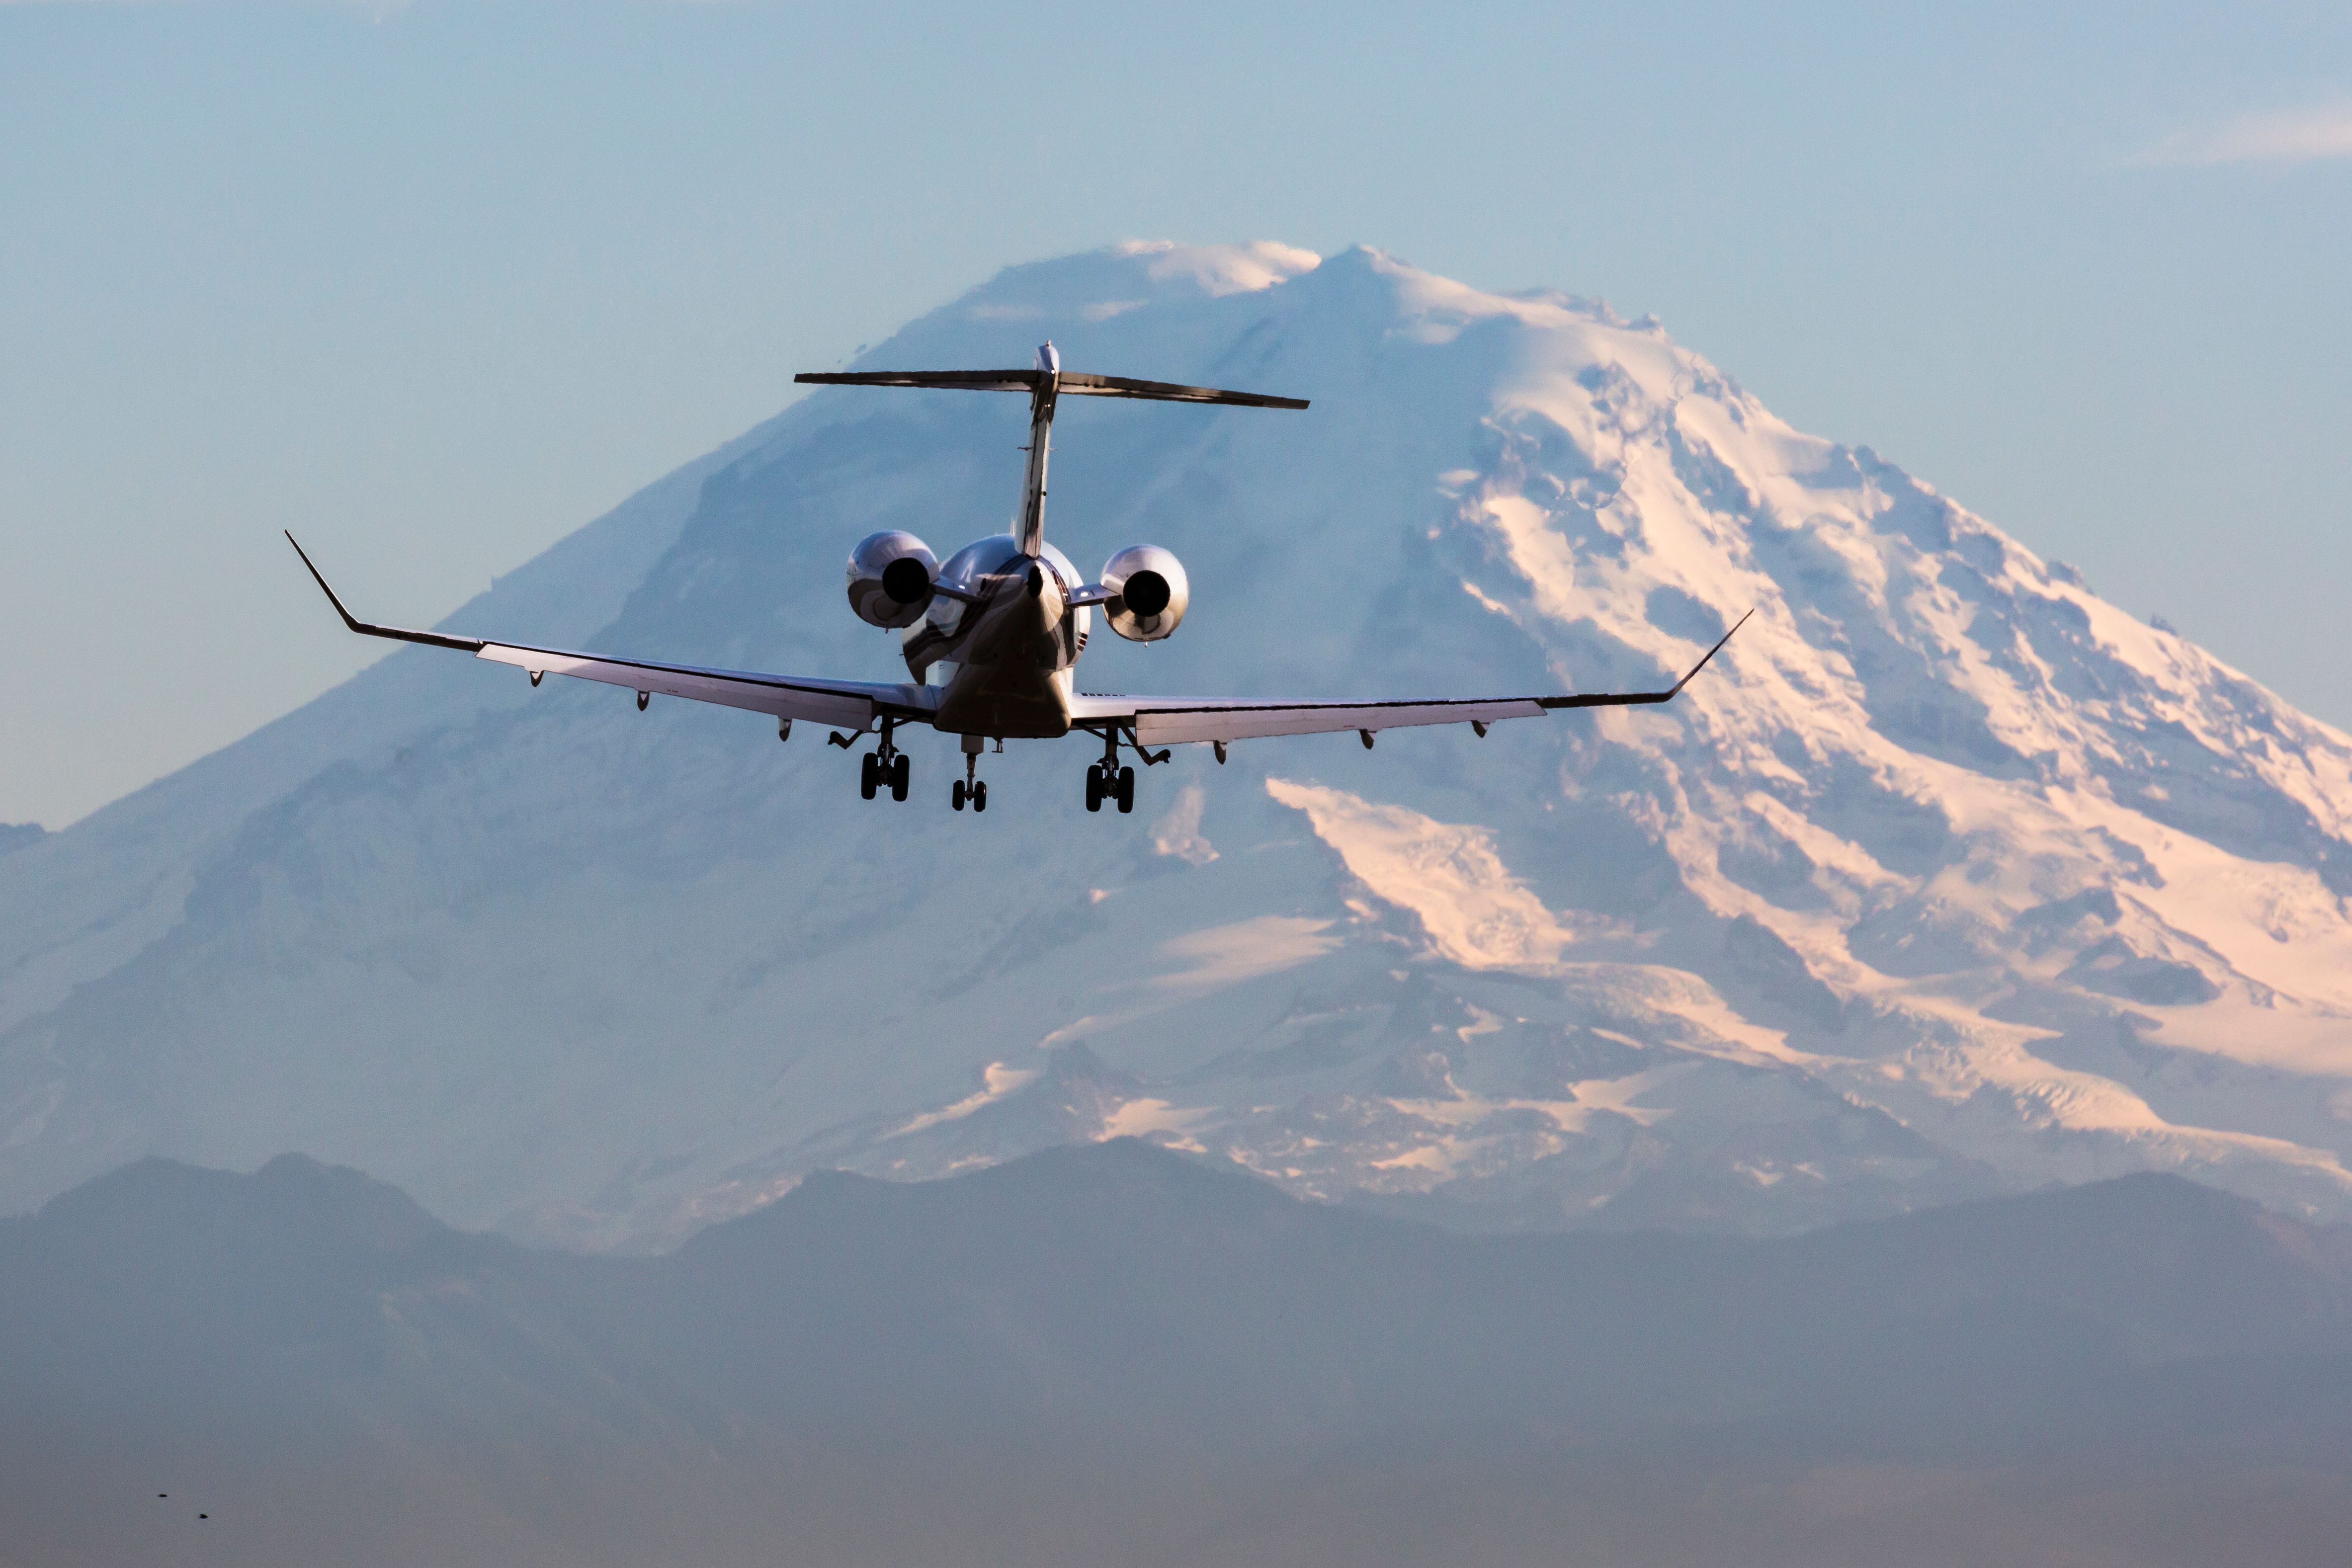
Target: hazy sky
column 435, row 284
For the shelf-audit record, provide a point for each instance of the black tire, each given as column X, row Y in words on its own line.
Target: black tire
column 900, row 772
column 869, row 777
column 955, row 796
column 1126, row 790
column 1094, row 788
column 980, row 796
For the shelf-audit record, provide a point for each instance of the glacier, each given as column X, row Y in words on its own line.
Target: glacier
column 1947, row 878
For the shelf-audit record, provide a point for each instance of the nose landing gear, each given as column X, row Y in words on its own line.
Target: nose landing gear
column 969, row 787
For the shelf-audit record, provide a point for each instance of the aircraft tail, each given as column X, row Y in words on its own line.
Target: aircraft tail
column 1046, row 382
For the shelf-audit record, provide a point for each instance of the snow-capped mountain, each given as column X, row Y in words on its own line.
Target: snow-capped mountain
column 1947, row 878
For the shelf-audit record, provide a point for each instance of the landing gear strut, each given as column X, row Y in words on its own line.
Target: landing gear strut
column 886, row 766
column 969, row 787
column 1106, row 781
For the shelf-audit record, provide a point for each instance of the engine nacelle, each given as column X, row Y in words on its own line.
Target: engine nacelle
column 891, row 578
column 1153, row 592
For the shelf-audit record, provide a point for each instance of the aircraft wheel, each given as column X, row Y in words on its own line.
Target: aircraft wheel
column 1126, row 790
column 1094, row 788
column 955, row 796
column 900, row 771
column 869, row 776
column 980, row 796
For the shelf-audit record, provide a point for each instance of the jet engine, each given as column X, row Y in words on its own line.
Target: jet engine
column 1152, row 589
column 891, row 578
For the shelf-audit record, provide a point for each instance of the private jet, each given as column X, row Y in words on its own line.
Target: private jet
column 991, row 636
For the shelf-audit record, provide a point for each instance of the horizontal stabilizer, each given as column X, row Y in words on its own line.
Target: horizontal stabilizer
column 1069, row 383
column 960, row 380
column 1168, row 391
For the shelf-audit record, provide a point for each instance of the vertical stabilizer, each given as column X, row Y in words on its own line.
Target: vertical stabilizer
column 1031, row 527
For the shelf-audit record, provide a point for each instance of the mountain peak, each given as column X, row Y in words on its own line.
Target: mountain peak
column 294, row 1197
column 1220, row 269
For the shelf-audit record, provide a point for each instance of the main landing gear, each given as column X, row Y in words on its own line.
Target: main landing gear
column 884, row 768
column 1106, row 781
column 879, row 773
column 969, row 787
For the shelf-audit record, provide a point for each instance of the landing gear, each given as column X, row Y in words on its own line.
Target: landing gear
column 969, row 787
column 1106, row 781
column 886, row 768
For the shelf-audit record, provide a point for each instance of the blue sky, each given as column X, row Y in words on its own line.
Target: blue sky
column 434, row 284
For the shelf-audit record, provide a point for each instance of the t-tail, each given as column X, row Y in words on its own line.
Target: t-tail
column 1045, row 383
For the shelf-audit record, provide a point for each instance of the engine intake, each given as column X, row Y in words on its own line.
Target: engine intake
column 891, row 578
column 1153, row 592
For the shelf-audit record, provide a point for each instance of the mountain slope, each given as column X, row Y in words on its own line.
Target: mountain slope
column 1948, row 879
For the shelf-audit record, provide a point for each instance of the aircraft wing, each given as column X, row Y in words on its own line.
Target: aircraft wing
column 1170, row 721
column 851, row 705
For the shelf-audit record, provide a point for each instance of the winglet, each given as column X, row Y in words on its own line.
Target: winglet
column 1710, row 654
column 367, row 629
column 1636, row 699
column 320, row 579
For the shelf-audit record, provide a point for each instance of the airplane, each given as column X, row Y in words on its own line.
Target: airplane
column 991, row 636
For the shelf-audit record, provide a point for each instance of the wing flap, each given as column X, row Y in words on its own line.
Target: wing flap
column 848, row 704
column 1163, row 721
